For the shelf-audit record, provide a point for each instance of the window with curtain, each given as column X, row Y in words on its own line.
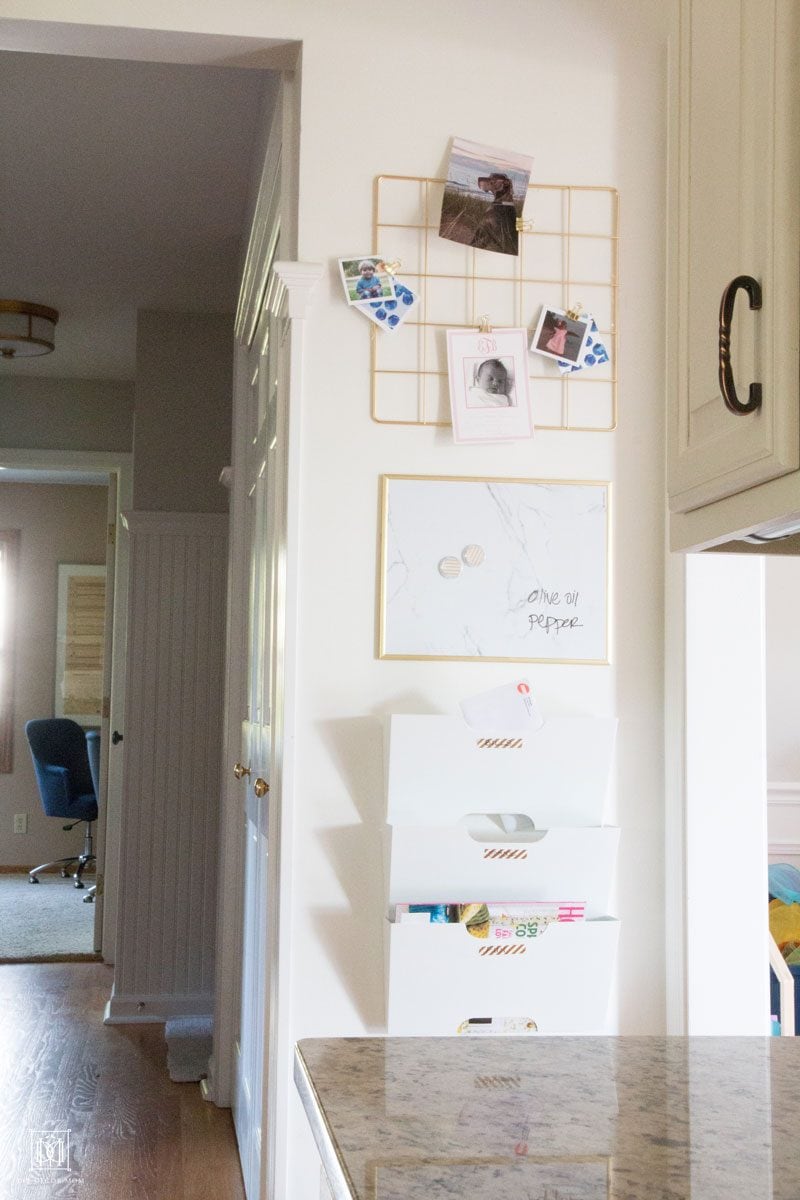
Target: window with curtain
column 9, row 553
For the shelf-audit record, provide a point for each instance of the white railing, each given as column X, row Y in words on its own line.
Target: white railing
column 786, row 985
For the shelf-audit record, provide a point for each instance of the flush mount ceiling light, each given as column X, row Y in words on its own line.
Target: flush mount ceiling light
column 26, row 329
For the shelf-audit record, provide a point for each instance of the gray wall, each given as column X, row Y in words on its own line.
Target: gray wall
column 184, row 380
column 65, row 414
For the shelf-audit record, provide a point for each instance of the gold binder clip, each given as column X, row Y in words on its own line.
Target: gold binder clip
column 576, row 313
column 485, row 325
column 523, row 225
column 391, row 267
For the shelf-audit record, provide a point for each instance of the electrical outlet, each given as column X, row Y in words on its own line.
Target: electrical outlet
column 20, row 822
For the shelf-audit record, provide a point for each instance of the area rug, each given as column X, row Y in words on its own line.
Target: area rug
column 45, row 922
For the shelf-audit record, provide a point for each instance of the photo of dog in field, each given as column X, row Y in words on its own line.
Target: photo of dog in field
column 483, row 197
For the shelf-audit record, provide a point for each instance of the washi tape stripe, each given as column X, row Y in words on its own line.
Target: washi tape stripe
column 500, row 743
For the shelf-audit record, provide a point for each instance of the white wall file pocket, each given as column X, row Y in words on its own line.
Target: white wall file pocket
column 435, row 865
column 438, row 769
column 441, row 977
column 493, row 819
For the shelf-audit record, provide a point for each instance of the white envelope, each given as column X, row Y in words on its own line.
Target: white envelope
column 510, row 708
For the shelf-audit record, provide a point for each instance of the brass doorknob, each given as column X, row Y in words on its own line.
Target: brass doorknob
column 260, row 787
column 240, row 771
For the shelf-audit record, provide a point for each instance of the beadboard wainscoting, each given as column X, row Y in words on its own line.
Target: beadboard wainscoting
column 783, row 822
column 172, row 743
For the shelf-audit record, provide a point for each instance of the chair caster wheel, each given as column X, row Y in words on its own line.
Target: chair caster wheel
column 79, row 884
column 32, row 879
column 64, row 874
column 88, row 899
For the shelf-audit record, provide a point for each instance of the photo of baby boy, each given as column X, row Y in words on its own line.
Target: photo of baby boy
column 365, row 279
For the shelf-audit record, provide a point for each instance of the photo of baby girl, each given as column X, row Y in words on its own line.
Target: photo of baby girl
column 492, row 383
column 489, row 387
column 559, row 335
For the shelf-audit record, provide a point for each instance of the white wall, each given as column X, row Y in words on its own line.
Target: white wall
column 726, row 818
column 586, row 98
column 782, row 585
column 782, row 588
column 581, row 87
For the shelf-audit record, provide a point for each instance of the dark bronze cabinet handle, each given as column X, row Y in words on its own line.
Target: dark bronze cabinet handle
column 726, row 383
column 116, row 737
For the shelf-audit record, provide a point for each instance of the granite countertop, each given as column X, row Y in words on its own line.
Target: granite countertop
column 557, row 1118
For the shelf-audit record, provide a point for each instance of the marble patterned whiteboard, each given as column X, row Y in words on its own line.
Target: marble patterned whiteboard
column 501, row 569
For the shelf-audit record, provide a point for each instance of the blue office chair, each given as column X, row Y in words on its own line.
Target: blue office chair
column 93, row 750
column 61, row 763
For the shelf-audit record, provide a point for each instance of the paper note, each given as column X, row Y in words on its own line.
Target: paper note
column 510, row 708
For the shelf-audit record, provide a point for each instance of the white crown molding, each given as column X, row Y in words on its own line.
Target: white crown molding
column 783, row 795
column 789, row 848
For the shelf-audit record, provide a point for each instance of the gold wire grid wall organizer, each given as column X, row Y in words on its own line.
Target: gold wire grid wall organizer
column 568, row 255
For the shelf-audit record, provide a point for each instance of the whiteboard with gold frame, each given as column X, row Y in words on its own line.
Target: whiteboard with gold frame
column 80, row 635
column 505, row 570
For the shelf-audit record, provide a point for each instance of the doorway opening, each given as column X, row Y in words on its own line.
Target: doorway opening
column 54, row 601
column 66, row 505
column 213, row 96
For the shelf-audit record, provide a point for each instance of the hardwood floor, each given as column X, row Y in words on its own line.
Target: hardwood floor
column 133, row 1134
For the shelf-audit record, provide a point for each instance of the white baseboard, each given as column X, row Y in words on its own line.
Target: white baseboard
column 783, row 822
column 783, row 794
column 143, row 1010
column 784, row 849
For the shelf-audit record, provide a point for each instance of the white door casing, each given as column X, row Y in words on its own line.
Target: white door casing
column 254, row 731
column 271, row 384
column 260, row 485
column 265, row 237
column 112, row 534
column 250, row 1066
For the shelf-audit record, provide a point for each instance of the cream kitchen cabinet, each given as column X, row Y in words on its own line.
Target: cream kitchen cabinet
column 734, row 252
